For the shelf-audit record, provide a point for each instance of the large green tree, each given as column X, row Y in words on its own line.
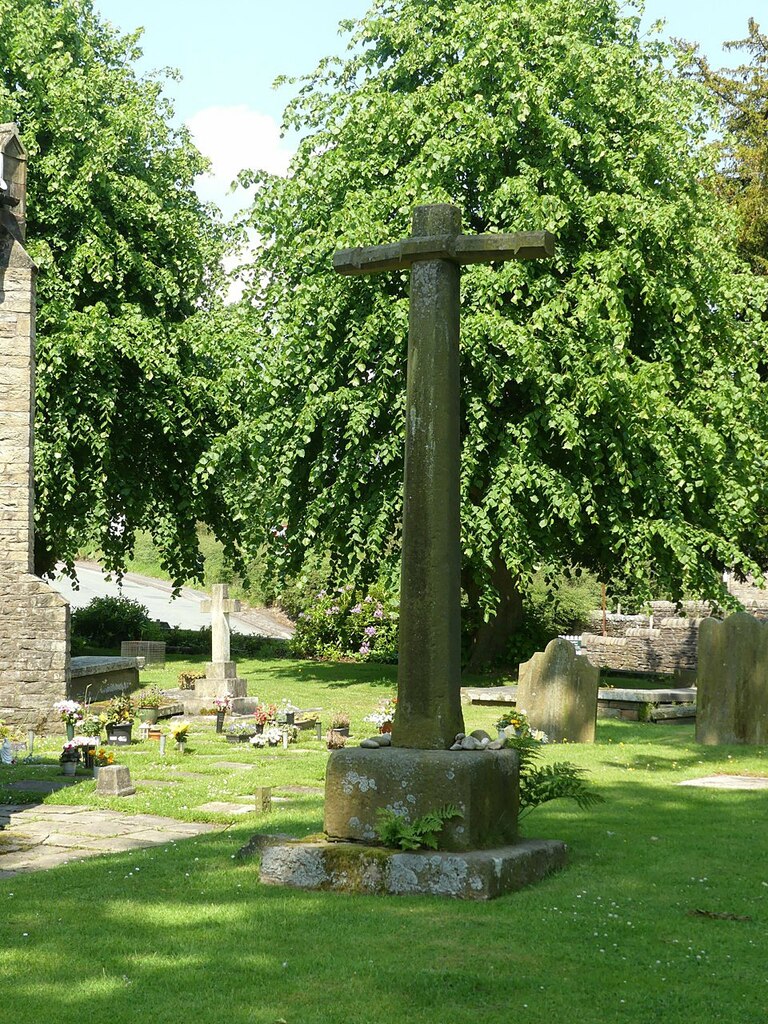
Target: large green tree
column 612, row 412
column 743, row 148
column 130, row 391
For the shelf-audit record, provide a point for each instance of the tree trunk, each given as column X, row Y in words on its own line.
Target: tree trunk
column 490, row 641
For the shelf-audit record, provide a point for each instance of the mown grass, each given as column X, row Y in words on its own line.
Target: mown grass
column 188, row 930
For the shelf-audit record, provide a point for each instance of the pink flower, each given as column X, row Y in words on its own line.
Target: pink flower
column 378, row 614
column 365, row 649
column 370, row 631
column 356, row 610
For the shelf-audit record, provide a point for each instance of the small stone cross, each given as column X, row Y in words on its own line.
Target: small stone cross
column 429, row 665
column 220, row 607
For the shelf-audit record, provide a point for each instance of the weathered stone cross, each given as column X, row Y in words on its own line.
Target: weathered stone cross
column 429, row 672
column 220, row 607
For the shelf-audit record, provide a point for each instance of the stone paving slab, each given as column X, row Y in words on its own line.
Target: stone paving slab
column 155, row 783
column 232, row 764
column 38, row 837
column 728, row 782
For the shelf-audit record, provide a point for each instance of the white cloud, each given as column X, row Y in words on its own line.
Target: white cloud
column 235, row 138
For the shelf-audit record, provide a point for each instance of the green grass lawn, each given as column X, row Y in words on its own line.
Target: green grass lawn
column 187, row 931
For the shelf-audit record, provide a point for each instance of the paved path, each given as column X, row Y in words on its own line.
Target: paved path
column 36, row 837
column 157, row 596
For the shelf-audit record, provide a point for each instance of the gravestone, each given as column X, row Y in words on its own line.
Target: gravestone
column 418, row 773
column 221, row 678
column 34, row 619
column 732, row 681
column 557, row 689
column 114, row 780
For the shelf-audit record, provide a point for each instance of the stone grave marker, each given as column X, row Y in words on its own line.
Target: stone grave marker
column 221, row 678
column 732, row 681
column 557, row 689
column 34, row 619
column 418, row 773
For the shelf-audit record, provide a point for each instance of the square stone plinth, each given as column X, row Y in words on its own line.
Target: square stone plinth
column 469, row 875
column 483, row 784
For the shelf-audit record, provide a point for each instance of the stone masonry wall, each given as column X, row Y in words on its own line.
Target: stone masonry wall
column 34, row 619
column 669, row 647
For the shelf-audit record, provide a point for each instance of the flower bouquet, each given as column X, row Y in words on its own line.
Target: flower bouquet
column 384, row 715
column 70, row 712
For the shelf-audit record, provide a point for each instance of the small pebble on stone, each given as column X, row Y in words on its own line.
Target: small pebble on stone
column 495, row 745
column 470, row 743
column 480, row 734
column 460, row 736
column 456, row 746
column 384, row 739
column 369, row 744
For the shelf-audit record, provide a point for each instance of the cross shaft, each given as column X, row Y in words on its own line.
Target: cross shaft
column 429, row 657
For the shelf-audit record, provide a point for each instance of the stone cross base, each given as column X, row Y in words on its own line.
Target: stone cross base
column 221, row 680
column 483, row 784
column 469, row 875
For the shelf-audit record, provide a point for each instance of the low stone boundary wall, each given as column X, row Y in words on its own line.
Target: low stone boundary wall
column 666, row 649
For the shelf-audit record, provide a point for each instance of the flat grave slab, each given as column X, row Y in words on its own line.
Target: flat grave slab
column 155, row 783
column 728, row 782
column 40, row 785
column 234, row 765
column 225, row 807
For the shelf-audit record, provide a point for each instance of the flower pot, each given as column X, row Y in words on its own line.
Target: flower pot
column 70, row 731
column 220, row 721
column 181, row 747
column 68, row 767
column 258, row 729
column 88, row 754
column 119, row 735
column 342, row 730
column 149, row 715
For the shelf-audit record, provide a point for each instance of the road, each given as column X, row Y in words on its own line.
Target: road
column 156, row 595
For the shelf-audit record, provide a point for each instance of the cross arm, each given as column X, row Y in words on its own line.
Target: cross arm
column 461, row 249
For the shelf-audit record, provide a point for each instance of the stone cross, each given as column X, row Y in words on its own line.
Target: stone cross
column 429, row 665
column 220, row 607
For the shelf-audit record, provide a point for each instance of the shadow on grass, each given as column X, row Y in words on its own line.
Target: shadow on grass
column 186, row 930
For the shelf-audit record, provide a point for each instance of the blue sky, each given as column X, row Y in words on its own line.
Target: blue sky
column 230, row 52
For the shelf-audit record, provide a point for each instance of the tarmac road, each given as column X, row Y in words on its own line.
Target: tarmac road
column 156, row 595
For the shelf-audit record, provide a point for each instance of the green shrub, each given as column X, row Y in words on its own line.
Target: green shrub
column 106, row 621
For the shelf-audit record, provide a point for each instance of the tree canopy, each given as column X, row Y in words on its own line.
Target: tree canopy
column 743, row 149
column 612, row 407
column 130, row 396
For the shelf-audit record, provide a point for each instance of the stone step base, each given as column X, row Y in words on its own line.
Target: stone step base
column 371, row 870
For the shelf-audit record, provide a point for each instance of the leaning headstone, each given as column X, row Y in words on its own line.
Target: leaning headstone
column 557, row 689
column 732, row 681
column 34, row 619
column 114, row 780
column 418, row 774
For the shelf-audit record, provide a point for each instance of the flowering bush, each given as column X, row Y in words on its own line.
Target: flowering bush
column 384, row 713
column 345, row 624
column 70, row 711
